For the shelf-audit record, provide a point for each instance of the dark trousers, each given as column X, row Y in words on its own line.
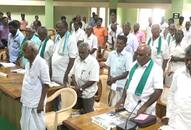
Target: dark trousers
column 85, row 104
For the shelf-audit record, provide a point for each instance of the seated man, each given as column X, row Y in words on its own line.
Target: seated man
column 178, row 102
column 145, row 83
column 118, row 63
column 85, row 75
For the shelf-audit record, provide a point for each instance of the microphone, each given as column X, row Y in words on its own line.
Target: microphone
column 131, row 114
column 131, row 125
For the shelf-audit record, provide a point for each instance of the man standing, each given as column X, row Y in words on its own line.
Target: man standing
column 91, row 39
column 159, row 47
column 23, row 22
column 78, row 32
column 65, row 52
column 143, row 83
column 187, row 34
column 85, row 75
column 139, row 34
column 118, row 62
column 47, row 45
column 178, row 102
column 171, row 35
column 15, row 40
column 34, row 89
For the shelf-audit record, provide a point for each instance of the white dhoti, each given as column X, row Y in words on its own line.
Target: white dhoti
column 31, row 120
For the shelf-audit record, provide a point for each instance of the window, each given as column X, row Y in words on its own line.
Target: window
column 144, row 14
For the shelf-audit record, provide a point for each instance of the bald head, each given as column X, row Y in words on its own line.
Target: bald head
column 143, row 54
column 155, row 29
column 42, row 33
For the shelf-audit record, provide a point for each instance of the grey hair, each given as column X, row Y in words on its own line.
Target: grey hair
column 84, row 45
column 31, row 45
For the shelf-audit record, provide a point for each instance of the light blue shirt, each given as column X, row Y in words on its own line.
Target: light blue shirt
column 14, row 44
column 119, row 63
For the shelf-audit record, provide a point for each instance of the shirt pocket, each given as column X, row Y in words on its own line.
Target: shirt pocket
column 15, row 44
column 85, row 75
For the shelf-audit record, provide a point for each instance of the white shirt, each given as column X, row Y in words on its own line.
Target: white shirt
column 60, row 62
column 93, row 43
column 148, row 32
column 177, row 51
column 164, row 54
column 34, row 77
column 132, row 43
column 48, row 50
column 187, row 37
column 114, row 35
column 84, row 71
column 14, row 44
column 79, row 34
column 179, row 101
column 170, row 39
column 154, row 81
column 119, row 63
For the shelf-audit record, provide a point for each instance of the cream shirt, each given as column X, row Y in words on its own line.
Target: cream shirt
column 84, row 71
column 79, row 34
column 154, row 81
column 164, row 55
column 179, row 101
column 119, row 63
column 93, row 43
column 60, row 62
column 34, row 77
column 48, row 50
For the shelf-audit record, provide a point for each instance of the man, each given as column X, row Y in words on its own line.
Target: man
column 23, row 22
column 163, row 25
column 47, row 45
column 92, row 21
column 78, row 32
column 34, row 89
column 65, row 52
column 132, row 42
column 145, row 83
column 159, row 47
column 9, row 16
column 101, row 33
column 178, row 102
column 30, row 35
column 91, row 39
column 15, row 40
column 113, row 34
column 118, row 63
column 63, row 18
column 179, row 26
column 139, row 34
column 148, row 29
column 114, row 22
column 171, row 35
column 85, row 75
column 36, row 23
column 187, row 34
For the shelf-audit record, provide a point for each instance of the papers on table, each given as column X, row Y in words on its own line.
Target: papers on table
column 3, row 74
column 7, row 65
column 54, row 84
column 108, row 120
column 141, row 117
column 19, row 71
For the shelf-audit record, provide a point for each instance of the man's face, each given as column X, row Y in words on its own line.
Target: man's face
column 126, row 29
column 188, row 63
column 155, row 32
column 142, row 56
column 187, row 25
column 136, row 27
column 83, row 53
column 12, row 30
column 120, row 45
column 76, row 25
column 60, row 29
column 99, row 22
column 178, row 36
column 113, row 18
column 88, row 31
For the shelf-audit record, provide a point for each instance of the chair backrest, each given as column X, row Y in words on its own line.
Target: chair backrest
column 68, row 97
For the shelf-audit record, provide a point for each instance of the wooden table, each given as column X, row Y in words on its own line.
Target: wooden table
column 83, row 122
column 10, row 93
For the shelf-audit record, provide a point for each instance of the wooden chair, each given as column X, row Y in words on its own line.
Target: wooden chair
column 68, row 100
